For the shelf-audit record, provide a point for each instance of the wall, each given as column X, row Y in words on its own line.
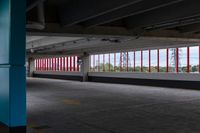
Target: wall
column 76, row 76
column 188, row 81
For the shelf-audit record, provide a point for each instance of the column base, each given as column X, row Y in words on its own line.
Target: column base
column 6, row 129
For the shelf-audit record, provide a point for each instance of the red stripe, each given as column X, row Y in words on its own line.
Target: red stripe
column 188, row 59
column 55, row 62
column 98, row 63
column 149, row 60
column 109, row 62
column 177, row 60
column 134, row 62
column 67, row 64
column 40, row 64
column 121, row 62
column 141, row 61
column 158, row 59
column 103, row 62
column 167, row 61
column 77, row 64
column 74, row 62
column 61, row 64
column 49, row 64
column 42, row 61
column 46, row 64
column 199, row 59
column 36, row 65
column 115, row 62
column 70, row 63
column 43, row 64
column 127, row 68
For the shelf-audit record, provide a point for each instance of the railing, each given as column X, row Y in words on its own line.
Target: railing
column 170, row 60
column 61, row 64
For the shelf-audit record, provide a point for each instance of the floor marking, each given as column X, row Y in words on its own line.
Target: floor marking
column 72, row 102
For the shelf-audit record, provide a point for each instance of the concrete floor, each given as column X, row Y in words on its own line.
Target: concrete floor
column 57, row 106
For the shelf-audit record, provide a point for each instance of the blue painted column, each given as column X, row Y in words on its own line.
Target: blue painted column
column 12, row 63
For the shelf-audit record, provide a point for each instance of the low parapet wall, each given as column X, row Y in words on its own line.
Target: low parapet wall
column 181, row 80
column 77, row 76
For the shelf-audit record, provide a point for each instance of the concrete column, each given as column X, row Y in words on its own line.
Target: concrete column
column 12, row 64
column 85, row 66
column 31, row 66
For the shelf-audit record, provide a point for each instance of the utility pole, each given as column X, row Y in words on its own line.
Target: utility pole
column 173, row 59
column 125, row 61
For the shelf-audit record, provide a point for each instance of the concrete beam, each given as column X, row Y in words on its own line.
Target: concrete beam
column 33, row 3
column 143, row 43
column 49, row 41
column 171, row 13
column 190, row 28
column 54, row 29
column 78, row 10
column 131, row 10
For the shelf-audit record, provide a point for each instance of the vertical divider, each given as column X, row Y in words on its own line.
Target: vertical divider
column 149, row 61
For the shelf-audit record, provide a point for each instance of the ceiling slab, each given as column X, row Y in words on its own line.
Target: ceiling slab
column 34, row 42
column 131, row 10
column 181, row 10
column 78, row 10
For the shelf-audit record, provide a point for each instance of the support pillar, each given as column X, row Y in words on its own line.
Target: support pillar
column 12, row 65
column 85, row 66
column 31, row 66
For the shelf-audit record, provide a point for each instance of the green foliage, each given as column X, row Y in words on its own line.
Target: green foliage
column 154, row 69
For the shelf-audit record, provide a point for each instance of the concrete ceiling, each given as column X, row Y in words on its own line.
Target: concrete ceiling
column 138, row 16
column 35, row 42
column 76, row 26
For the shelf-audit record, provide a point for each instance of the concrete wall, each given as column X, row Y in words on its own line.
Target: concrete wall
column 78, row 76
column 172, row 80
column 158, row 76
column 189, row 81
